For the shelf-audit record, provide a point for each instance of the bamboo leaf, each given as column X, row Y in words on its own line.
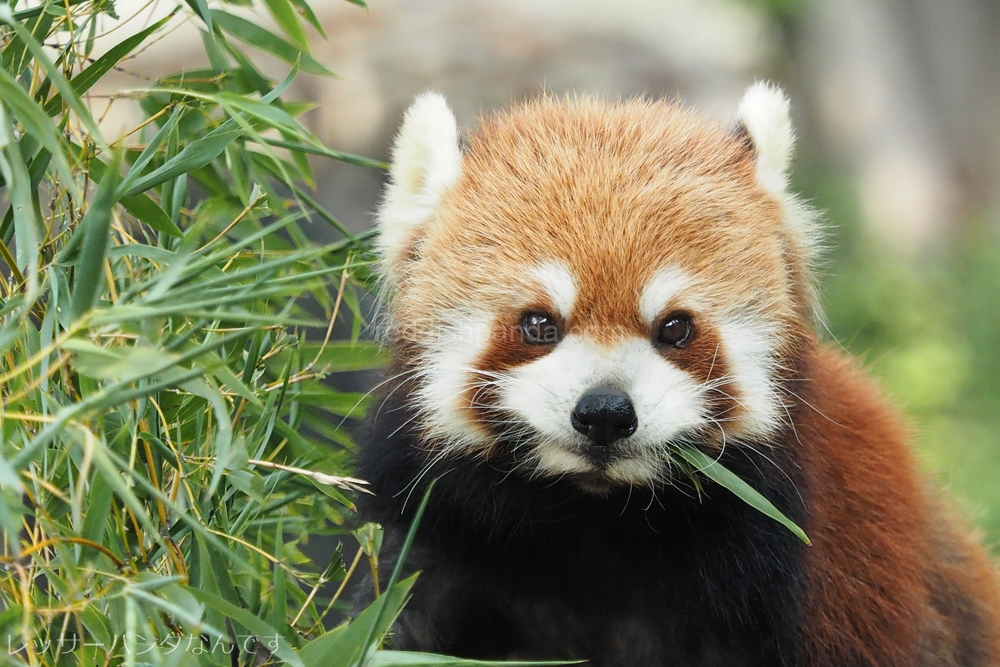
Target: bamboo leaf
column 272, row 115
column 95, row 227
column 200, row 7
column 279, row 617
column 193, row 156
column 32, row 12
column 152, row 146
column 191, row 617
column 264, row 631
column 149, row 212
column 95, row 522
column 54, row 74
column 715, row 471
column 341, row 356
column 285, row 16
column 327, row 152
column 141, row 206
column 22, row 207
column 37, row 127
column 265, row 40
column 309, row 16
column 223, row 430
column 123, row 364
column 386, row 607
column 347, row 646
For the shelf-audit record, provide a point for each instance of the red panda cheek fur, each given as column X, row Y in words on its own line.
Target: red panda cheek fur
column 517, row 567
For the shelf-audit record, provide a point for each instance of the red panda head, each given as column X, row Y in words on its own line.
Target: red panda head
column 590, row 282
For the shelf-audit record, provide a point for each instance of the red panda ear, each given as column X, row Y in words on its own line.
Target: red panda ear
column 764, row 127
column 741, row 135
column 763, row 117
column 426, row 163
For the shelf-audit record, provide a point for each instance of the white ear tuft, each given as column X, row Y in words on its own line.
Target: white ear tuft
column 426, row 162
column 764, row 112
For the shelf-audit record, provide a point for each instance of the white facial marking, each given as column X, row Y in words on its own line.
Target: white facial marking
column 543, row 394
column 448, row 368
column 665, row 285
column 635, row 470
column 748, row 345
column 559, row 284
column 554, row 459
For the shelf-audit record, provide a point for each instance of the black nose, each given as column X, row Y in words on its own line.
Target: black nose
column 605, row 414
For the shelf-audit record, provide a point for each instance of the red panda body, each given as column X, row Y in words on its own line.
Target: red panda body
column 586, row 287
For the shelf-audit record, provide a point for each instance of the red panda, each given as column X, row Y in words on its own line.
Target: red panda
column 581, row 287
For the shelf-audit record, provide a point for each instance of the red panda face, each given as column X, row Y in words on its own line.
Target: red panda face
column 591, row 283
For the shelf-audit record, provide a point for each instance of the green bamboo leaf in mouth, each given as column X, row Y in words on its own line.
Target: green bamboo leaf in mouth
column 703, row 464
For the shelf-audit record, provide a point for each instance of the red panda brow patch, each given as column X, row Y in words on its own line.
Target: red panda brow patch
column 665, row 285
column 559, row 285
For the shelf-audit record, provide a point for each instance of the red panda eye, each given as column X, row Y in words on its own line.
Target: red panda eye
column 676, row 330
column 540, row 328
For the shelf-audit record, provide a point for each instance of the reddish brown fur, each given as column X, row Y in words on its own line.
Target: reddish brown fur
column 683, row 192
column 884, row 563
